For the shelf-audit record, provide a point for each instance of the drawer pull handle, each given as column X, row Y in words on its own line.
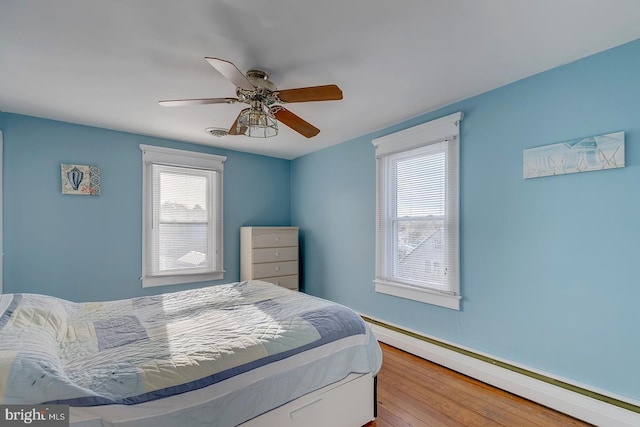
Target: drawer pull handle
column 277, row 268
column 277, row 239
column 296, row 413
column 277, row 253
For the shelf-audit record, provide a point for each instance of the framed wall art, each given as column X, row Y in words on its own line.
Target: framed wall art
column 80, row 179
column 578, row 155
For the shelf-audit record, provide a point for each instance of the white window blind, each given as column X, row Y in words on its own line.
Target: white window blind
column 417, row 213
column 182, row 216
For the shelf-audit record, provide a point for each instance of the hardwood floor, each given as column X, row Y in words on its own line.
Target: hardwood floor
column 415, row 392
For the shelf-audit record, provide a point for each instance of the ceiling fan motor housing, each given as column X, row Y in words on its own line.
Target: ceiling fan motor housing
column 260, row 79
column 263, row 89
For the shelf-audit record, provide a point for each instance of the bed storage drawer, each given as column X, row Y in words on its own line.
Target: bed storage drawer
column 345, row 404
column 270, row 253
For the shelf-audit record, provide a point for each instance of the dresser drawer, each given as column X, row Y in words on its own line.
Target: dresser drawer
column 289, row 282
column 274, row 269
column 275, row 254
column 274, row 238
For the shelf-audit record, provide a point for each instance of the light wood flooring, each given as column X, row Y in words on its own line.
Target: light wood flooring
column 416, row 392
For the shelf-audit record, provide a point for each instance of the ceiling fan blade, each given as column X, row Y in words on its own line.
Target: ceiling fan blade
column 314, row 93
column 233, row 130
column 183, row 102
column 294, row 122
column 231, row 72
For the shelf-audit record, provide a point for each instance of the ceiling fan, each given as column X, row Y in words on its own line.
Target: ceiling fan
column 261, row 119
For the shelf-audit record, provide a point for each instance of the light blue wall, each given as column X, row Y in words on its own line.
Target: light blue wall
column 89, row 248
column 549, row 266
column 550, row 271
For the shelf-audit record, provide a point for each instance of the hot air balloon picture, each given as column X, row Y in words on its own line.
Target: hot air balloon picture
column 80, row 179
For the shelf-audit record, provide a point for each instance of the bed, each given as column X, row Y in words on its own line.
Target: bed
column 247, row 353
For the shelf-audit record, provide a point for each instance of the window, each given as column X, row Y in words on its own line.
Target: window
column 181, row 216
column 417, row 213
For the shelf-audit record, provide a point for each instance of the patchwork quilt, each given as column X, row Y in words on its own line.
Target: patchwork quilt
column 141, row 349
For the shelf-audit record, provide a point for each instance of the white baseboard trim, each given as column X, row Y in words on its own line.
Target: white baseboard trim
column 576, row 404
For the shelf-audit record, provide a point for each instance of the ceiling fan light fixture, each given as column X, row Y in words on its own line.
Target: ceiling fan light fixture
column 257, row 123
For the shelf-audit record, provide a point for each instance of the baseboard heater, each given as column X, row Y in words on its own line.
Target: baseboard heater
column 578, row 401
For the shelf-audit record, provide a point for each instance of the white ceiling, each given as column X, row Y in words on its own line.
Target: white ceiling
column 106, row 63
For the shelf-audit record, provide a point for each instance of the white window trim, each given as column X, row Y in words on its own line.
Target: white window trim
column 173, row 157
column 444, row 128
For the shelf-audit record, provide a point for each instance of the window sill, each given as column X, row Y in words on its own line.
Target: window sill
column 417, row 294
column 150, row 281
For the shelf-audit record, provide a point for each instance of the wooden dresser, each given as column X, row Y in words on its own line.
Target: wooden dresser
column 270, row 254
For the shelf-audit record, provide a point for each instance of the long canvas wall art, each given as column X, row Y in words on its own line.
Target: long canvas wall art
column 577, row 155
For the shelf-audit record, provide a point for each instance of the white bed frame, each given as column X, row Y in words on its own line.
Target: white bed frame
column 347, row 403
